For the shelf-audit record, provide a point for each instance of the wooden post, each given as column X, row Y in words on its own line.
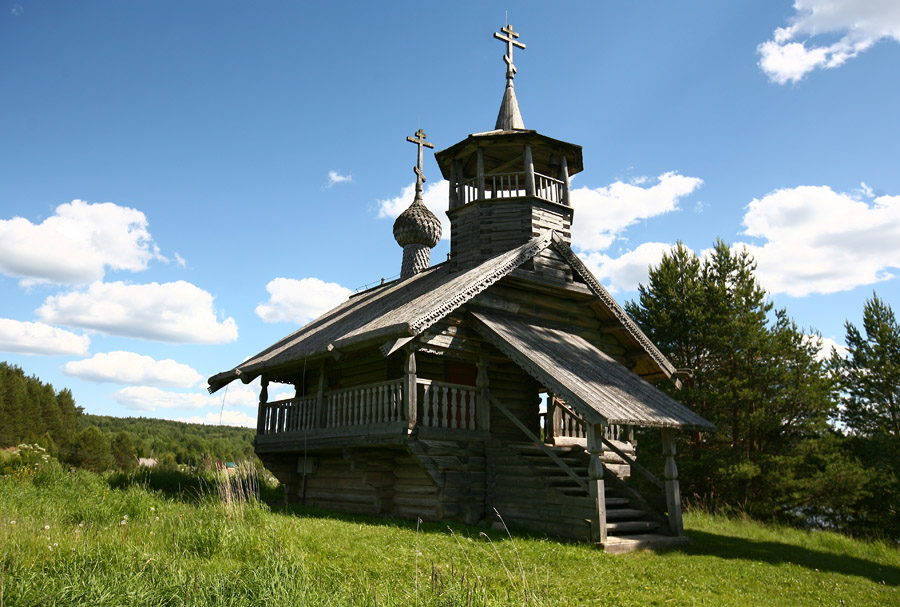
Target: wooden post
column 529, row 171
column 411, row 387
column 320, row 414
column 453, row 180
column 596, row 484
column 479, row 157
column 673, row 492
column 564, row 169
column 484, row 402
column 263, row 399
column 550, row 420
column 460, row 184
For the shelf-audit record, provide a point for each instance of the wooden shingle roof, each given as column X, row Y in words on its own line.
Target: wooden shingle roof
column 598, row 387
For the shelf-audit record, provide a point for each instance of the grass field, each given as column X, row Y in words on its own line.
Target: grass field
column 70, row 539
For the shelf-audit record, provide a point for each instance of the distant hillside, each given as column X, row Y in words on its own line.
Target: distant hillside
column 187, row 443
column 34, row 412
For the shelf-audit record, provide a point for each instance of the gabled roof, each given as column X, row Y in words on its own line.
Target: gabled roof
column 406, row 308
column 401, row 308
column 598, row 387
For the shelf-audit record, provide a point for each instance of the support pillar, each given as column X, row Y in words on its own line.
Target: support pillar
column 564, row 170
column 479, row 160
column 596, row 484
column 261, row 412
column 673, row 492
column 529, row 171
column 411, row 387
column 320, row 419
column 454, row 198
column 484, row 400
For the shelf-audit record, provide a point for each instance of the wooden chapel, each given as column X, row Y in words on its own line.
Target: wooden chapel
column 421, row 397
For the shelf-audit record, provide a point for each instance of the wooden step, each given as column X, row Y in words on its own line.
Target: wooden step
column 621, row 544
column 616, row 501
column 631, row 527
column 623, row 514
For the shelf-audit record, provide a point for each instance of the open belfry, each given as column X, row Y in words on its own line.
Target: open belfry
column 422, row 397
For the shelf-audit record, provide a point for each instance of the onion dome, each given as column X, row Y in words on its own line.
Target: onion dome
column 417, row 225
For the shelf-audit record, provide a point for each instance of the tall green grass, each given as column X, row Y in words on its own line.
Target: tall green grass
column 77, row 540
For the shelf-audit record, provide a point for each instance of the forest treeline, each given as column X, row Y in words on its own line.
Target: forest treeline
column 803, row 436
column 33, row 412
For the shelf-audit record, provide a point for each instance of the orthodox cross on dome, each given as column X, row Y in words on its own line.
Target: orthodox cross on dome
column 419, row 140
column 510, row 39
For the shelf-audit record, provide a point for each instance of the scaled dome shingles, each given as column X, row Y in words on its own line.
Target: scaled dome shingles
column 417, row 225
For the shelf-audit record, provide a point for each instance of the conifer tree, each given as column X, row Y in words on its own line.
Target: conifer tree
column 756, row 377
column 871, row 372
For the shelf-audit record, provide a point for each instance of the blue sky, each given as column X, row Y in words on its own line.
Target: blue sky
column 182, row 184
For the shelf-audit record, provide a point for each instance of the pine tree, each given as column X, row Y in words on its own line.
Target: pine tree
column 871, row 372
column 758, row 380
column 124, row 452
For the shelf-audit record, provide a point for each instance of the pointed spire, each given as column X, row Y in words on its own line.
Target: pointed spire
column 510, row 117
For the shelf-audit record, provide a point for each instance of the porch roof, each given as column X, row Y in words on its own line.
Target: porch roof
column 595, row 385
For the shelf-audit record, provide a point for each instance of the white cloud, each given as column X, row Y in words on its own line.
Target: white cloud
column 602, row 214
column 821, row 241
column 177, row 312
column 334, row 177
column 76, row 244
column 225, row 418
column 36, row 338
column 626, row 272
column 149, row 398
column 861, row 23
column 826, row 345
column 300, row 301
column 436, row 197
column 131, row 368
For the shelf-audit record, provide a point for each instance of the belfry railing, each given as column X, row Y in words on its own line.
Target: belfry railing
column 510, row 185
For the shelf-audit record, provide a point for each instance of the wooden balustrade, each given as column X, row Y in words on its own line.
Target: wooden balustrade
column 289, row 415
column 509, row 185
column 445, row 405
column 563, row 422
column 365, row 405
column 441, row 405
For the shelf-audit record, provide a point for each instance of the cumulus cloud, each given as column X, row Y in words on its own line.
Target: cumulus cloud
column 626, row 272
column 602, row 214
column 131, row 368
column 36, row 338
column 334, row 178
column 175, row 312
column 821, row 241
column 300, row 301
column 224, row 418
column 860, row 23
column 436, row 197
column 826, row 346
column 149, row 398
column 76, row 245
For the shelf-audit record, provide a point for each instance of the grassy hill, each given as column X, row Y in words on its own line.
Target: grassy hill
column 70, row 539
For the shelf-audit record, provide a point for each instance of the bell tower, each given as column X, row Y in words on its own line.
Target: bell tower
column 507, row 185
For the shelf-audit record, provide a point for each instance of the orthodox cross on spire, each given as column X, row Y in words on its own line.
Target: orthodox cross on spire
column 510, row 39
column 419, row 140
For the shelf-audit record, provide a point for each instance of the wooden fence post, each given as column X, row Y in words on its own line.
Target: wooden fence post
column 673, row 492
column 596, row 484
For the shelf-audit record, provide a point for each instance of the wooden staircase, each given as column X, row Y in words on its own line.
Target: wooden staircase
column 631, row 523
